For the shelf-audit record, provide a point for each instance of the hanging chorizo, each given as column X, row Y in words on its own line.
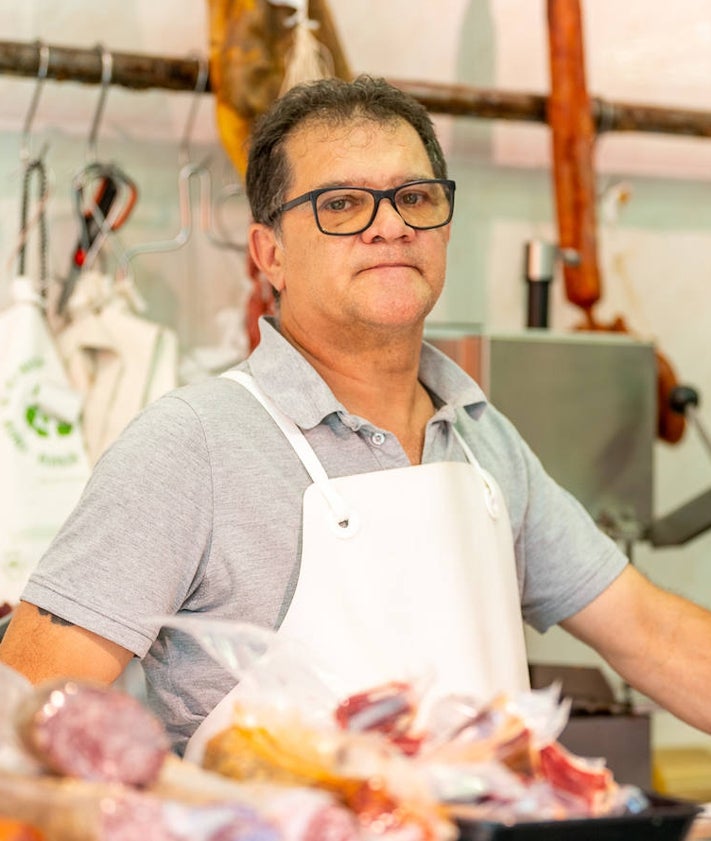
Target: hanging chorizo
column 573, row 138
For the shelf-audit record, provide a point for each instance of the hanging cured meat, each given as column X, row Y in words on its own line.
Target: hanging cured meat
column 573, row 139
column 252, row 43
column 258, row 48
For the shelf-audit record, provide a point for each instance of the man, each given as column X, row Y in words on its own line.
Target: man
column 348, row 485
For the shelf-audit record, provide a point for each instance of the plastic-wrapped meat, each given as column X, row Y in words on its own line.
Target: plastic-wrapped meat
column 129, row 817
column 77, row 810
column 186, row 804
column 137, row 815
column 92, row 732
column 362, row 772
column 388, row 709
column 489, row 734
column 299, row 813
column 285, row 813
column 587, row 780
column 303, row 814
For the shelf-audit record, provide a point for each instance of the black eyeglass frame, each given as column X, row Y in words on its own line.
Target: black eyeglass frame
column 378, row 196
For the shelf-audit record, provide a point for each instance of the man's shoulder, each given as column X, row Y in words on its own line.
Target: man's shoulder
column 206, row 394
column 214, row 406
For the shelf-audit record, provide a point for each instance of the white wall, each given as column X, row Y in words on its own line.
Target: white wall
column 655, row 251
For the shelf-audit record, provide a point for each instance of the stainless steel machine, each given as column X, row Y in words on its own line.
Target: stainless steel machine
column 587, row 405
column 584, row 402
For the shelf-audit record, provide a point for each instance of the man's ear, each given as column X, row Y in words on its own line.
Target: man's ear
column 267, row 253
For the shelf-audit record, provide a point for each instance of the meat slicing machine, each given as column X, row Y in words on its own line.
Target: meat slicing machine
column 587, row 405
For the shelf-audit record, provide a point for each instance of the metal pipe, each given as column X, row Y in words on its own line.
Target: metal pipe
column 463, row 101
column 141, row 71
column 71, row 64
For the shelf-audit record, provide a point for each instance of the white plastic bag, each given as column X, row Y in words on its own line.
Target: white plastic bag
column 43, row 463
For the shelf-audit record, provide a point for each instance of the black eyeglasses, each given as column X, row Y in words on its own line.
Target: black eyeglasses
column 344, row 211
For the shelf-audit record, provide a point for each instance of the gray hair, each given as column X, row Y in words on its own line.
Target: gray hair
column 330, row 101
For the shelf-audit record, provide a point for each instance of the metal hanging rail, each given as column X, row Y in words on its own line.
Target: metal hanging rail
column 71, row 64
column 464, row 101
column 140, row 71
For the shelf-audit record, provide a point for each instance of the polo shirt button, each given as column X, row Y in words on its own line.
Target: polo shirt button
column 377, row 438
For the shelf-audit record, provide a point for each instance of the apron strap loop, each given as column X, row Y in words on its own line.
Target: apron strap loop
column 490, row 493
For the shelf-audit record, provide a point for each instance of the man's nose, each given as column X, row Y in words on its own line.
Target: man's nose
column 387, row 222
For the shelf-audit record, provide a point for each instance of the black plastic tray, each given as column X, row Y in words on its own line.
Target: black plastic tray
column 665, row 820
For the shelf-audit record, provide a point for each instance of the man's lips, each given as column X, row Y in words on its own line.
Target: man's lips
column 395, row 264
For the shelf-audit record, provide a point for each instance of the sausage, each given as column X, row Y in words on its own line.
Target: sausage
column 670, row 424
column 573, row 137
column 92, row 732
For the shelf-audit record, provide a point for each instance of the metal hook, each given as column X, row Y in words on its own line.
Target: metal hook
column 200, row 86
column 34, row 167
column 189, row 170
column 107, row 70
column 188, row 173
column 42, row 68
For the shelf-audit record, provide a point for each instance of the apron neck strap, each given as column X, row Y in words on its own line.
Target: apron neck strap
column 314, row 467
column 489, row 484
column 297, row 440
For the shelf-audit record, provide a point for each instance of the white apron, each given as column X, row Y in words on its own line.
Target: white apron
column 405, row 574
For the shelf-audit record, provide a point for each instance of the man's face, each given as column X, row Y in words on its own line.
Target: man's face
column 390, row 275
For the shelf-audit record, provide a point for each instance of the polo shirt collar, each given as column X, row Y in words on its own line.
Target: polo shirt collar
column 288, row 379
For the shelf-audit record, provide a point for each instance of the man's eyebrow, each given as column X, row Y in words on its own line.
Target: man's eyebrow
column 328, row 185
column 360, row 182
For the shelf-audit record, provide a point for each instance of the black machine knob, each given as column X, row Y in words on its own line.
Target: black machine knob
column 682, row 397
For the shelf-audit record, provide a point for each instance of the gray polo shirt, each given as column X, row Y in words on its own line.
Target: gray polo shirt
column 197, row 509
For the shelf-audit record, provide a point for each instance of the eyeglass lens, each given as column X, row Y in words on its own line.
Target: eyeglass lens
column 349, row 210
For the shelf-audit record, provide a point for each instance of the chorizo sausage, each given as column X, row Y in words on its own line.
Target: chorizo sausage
column 573, row 137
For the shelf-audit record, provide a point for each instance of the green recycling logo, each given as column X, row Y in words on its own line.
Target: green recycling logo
column 43, row 424
column 31, row 429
